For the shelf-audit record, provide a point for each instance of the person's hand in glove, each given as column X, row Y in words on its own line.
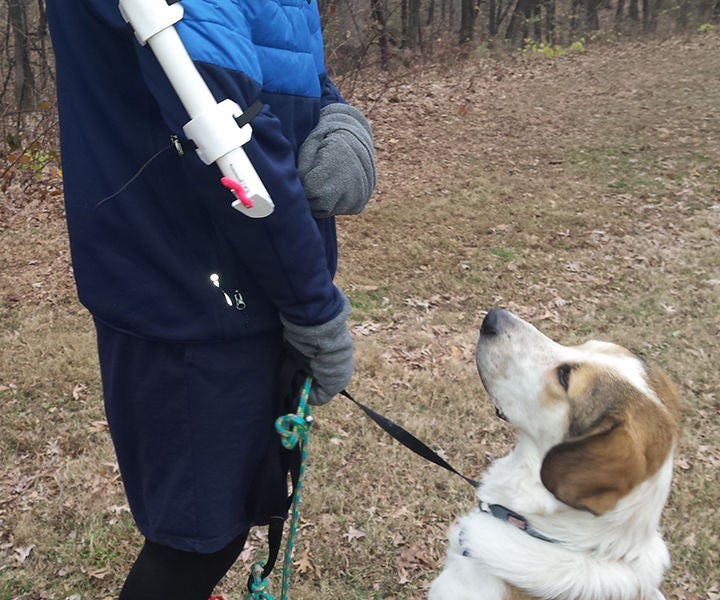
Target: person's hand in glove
column 329, row 349
column 336, row 163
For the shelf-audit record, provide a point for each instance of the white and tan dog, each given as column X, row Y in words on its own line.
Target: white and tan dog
column 573, row 511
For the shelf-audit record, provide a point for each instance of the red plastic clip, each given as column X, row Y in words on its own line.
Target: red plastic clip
column 238, row 190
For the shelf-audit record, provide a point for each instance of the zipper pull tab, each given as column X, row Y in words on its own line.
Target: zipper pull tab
column 215, row 280
column 239, row 300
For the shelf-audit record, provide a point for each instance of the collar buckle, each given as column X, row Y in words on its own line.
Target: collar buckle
column 516, row 520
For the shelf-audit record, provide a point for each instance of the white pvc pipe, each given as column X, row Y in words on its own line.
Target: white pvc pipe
column 212, row 125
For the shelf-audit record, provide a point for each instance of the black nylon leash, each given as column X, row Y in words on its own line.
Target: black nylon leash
column 407, row 439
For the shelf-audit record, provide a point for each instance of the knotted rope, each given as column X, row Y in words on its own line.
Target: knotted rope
column 293, row 430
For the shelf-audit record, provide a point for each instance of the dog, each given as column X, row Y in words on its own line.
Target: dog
column 573, row 511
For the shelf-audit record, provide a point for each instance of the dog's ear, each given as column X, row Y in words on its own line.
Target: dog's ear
column 594, row 471
column 602, row 461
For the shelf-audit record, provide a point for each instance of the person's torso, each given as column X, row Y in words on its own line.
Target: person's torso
column 143, row 259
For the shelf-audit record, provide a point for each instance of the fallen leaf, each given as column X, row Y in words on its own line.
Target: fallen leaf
column 248, row 553
column 98, row 426
column 303, row 563
column 21, row 554
column 353, row 534
column 100, row 573
column 403, row 577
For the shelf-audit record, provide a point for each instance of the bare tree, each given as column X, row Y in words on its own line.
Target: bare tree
column 585, row 17
column 634, row 11
column 24, row 81
column 518, row 28
column 467, row 21
column 550, row 21
column 411, row 25
column 378, row 14
column 619, row 14
column 492, row 18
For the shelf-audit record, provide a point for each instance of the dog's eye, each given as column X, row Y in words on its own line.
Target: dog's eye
column 563, row 375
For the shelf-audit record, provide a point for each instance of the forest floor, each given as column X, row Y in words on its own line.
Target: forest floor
column 582, row 192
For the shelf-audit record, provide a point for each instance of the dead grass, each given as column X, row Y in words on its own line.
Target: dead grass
column 580, row 192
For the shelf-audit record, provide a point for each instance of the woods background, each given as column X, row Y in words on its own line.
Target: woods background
column 388, row 34
column 391, row 36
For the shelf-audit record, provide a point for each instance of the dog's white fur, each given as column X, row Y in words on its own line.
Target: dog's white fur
column 604, row 446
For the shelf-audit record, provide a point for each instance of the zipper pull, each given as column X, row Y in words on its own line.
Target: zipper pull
column 215, row 280
column 239, row 300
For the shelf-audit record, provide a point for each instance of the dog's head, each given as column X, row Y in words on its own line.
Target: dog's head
column 604, row 420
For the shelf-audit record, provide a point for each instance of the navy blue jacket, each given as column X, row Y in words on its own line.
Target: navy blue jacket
column 143, row 260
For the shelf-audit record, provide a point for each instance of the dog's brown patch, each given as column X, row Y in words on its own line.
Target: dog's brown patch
column 514, row 593
column 617, row 437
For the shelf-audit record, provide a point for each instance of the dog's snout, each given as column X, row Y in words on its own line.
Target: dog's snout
column 492, row 323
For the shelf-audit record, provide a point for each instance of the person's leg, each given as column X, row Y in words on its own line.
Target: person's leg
column 163, row 572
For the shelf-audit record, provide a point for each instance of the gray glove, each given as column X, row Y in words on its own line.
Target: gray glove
column 336, row 163
column 329, row 348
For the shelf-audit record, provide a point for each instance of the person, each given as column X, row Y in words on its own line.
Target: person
column 194, row 303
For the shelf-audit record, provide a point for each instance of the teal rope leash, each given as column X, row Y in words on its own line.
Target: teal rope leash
column 293, row 430
column 258, row 586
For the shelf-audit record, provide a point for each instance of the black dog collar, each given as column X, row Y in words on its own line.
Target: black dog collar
column 505, row 514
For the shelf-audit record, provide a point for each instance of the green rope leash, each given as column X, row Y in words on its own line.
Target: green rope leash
column 293, row 430
column 258, row 585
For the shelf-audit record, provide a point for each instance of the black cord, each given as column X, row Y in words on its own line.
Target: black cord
column 407, row 439
column 171, row 146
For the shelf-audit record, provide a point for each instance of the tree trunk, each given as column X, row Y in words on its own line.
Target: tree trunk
column 646, row 15
column 24, row 82
column 683, row 18
column 42, row 35
column 519, row 21
column 592, row 20
column 403, row 23
column 467, row 21
column 550, row 22
column 492, row 18
column 574, row 18
column 378, row 14
column 324, row 10
column 634, row 12
column 619, row 15
column 537, row 21
column 414, row 38
column 527, row 18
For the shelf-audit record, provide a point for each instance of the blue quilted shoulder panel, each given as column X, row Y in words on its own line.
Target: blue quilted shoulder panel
column 277, row 43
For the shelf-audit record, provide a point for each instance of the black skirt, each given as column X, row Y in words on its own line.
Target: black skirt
column 190, row 423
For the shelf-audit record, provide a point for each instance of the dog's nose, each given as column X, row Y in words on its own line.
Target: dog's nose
column 492, row 323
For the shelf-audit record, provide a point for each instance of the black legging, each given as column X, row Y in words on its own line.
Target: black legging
column 161, row 572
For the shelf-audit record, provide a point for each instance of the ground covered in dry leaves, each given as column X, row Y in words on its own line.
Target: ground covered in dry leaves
column 581, row 192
